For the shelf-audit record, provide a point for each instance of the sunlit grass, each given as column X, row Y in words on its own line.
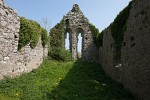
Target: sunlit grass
column 63, row 81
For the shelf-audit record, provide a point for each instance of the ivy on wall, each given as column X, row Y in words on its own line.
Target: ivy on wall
column 57, row 49
column 30, row 32
column 99, row 39
column 97, row 36
column 57, row 35
column 44, row 37
column 95, row 33
column 118, row 28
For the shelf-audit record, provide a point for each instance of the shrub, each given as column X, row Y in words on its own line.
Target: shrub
column 57, row 50
column 60, row 54
column 29, row 33
column 95, row 33
column 44, row 37
column 57, row 35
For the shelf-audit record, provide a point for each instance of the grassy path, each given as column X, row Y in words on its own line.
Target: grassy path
column 63, row 81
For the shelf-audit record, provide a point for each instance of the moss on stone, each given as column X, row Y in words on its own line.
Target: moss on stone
column 95, row 33
column 99, row 39
column 118, row 28
column 57, row 49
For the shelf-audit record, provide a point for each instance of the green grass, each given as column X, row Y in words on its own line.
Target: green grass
column 63, row 81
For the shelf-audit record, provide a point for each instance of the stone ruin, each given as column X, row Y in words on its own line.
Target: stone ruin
column 12, row 61
column 133, row 71
column 77, row 23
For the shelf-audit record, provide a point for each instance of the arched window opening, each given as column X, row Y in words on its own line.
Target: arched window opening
column 67, row 42
column 79, row 46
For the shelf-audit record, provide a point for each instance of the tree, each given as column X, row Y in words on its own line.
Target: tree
column 45, row 23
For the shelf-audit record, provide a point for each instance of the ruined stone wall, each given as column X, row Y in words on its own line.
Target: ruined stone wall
column 29, row 59
column 134, row 69
column 12, row 61
column 107, row 54
column 9, row 28
column 136, row 50
column 77, row 23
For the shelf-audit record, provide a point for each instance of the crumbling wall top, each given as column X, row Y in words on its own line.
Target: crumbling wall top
column 75, row 8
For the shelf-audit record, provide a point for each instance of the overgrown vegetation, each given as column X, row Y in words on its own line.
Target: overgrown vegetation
column 95, row 33
column 30, row 32
column 57, row 35
column 63, row 81
column 60, row 54
column 118, row 28
column 97, row 36
column 99, row 39
column 44, row 37
column 57, row 49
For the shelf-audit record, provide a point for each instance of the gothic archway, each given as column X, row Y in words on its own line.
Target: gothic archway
column 80, row 42
column 68, row 41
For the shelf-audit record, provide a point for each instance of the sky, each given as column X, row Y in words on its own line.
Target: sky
column 100, row 13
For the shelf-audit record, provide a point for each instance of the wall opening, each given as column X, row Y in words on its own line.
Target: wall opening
column 67, row 42
column 79, row 46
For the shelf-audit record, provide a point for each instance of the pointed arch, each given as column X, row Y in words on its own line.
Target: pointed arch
column 68, row 40
column 80, row 42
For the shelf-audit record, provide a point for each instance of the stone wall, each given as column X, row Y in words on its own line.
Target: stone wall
column 77, row 23
column 134, row 69
column 136, row 51
column 9, row 28
column 107, row 54
column 12, row 61
column 29, row 59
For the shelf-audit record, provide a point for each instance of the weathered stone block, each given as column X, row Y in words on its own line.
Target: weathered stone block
column 3, row 23
column 2, row 12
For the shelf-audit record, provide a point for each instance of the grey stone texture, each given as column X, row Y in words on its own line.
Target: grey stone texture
column 136, row 52
column 77, row 23
column 134, row 69
column 107, row 53
column 12, row 62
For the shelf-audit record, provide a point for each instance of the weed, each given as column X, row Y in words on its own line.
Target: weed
column 55, row 80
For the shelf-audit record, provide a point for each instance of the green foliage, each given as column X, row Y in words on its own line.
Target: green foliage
column 24, row 33
column 63, row 81
column 57, row 35
column 44, row 37
column 95, row 33
column 97, row 36
column 57, row 50
column 118, row 28
column 30, row 32
column 56, row 38
column 99, row 39
column 60, row 54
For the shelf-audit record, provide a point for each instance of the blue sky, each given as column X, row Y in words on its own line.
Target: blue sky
column 99, row 12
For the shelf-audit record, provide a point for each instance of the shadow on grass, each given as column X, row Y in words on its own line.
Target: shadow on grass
column 87, row 81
